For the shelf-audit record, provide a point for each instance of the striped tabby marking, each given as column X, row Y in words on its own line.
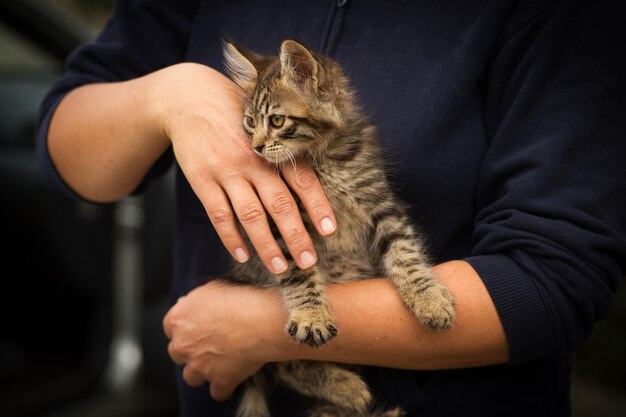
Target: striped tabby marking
column 321, row 125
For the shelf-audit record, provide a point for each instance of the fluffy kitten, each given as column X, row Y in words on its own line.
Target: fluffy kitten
column 299, row 106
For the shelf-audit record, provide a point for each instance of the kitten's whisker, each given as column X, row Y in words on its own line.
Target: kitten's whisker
column 293, row 161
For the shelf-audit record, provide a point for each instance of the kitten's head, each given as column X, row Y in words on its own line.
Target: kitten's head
column 294, row 101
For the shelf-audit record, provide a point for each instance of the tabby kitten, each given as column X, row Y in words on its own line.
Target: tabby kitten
column 299, row 106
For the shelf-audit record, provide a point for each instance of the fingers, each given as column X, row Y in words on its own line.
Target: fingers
column 193, row 378
column 220, row 213
column 221, row 392
column 266, row 193
column 218, row 391
column 251, row 215
column 196, row 345
column 167, row 328
column 304, row 182
column 190, row 376
column 167, row 321
column 283, row 209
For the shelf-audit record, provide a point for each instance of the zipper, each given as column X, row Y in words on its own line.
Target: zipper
column 333, row 26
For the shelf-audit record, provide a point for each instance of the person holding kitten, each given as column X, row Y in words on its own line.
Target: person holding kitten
column 502, row 122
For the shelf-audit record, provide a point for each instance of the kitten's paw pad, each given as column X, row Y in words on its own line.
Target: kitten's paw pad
column 434, row 307
column 312, row 327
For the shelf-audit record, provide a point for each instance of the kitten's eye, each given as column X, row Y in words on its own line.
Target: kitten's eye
column 277, row 120
column 249, row 121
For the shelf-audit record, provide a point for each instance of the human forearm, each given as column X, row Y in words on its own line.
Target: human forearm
column 377, row 329
column 224, row 333
column 102, row 139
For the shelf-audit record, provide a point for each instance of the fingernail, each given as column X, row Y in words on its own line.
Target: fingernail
column 307, row 259
column 327, row 225
column 241, row 255
column 279, row 264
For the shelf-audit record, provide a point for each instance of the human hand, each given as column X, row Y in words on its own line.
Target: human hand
column 200, row 110
column 217, row 332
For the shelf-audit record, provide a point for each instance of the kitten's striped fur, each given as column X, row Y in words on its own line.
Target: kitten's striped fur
column 299, row 105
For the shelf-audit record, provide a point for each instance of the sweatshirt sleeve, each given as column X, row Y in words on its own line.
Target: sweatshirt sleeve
column 550, row 232
column 141, row 36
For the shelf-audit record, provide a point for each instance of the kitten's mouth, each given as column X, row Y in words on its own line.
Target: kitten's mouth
column 275, row 159
column 276, row 155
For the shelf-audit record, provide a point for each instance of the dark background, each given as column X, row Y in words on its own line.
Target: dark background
column 84, row 286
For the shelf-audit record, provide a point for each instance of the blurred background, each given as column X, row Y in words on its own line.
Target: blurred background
column 85, row 285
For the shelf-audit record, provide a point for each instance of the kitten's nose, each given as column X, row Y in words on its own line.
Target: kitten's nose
column 259, row 148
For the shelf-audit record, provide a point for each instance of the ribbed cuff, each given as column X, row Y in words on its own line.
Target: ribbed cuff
column 520, row 305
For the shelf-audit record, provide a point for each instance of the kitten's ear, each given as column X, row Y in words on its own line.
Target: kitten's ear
column 299, row 65
column 241, row 64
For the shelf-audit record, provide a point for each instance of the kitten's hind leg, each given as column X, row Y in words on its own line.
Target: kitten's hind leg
column 310, row 319
column 406, row 265
column 330, row 411
column 344, row 392
column 253, row 401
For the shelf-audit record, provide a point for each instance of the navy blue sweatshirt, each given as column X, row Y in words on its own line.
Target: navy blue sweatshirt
column 505, row 124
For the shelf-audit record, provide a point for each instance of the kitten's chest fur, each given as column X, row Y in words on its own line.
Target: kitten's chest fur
column 348, row 254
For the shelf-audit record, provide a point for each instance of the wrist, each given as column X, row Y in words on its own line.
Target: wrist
column 184, row 94
column 154, row 103
column 274, row 345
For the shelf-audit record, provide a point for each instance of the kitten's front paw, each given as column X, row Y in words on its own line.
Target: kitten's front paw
column 434, row 307
column 312, row 327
